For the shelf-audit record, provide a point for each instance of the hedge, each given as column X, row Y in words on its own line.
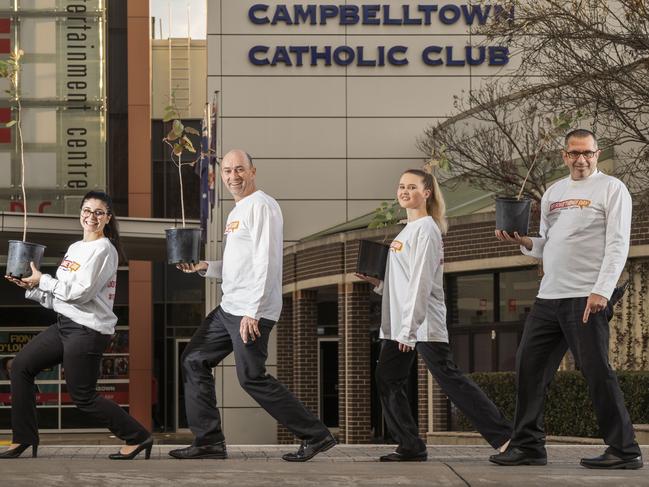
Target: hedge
column 568, row 409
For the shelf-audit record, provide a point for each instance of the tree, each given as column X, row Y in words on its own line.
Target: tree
column 508, row 147
column 576, row 57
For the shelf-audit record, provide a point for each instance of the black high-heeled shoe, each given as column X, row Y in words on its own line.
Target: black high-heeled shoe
column 147, row 446
column 16, row 452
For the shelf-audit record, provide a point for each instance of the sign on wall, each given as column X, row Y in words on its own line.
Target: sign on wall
column 62, row 85
column 376, row 15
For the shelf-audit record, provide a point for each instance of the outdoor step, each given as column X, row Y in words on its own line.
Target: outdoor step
column 472, row 438
column 642, row 433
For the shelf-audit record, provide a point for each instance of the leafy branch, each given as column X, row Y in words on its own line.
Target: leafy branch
column 507, row 146
column 385, row 215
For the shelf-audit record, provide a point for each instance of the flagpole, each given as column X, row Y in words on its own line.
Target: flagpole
column 214, row 224
column 217, row 183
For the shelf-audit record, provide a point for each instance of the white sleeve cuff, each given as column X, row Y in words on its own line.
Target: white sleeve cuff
column 214, row 270
column 47, row 283
column 537, row 248
column 379, row 289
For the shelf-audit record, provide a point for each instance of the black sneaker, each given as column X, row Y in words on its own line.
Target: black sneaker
column 308, row 449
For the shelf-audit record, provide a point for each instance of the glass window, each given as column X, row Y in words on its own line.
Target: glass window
column 328, row 318
column 517, row 293
column 472, row 301
column 482, row 352
column 507, row 346
column 461, row 351
column 63, row 85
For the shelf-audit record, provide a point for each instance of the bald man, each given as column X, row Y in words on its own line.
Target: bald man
column 251, row 273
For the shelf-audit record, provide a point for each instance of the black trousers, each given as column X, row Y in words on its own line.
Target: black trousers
column 214, row 340
column 392, row 375
column 551, row 327
column 79, row 349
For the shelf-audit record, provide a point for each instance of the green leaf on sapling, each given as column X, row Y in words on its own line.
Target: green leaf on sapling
column 178, row 127
column 188, row 144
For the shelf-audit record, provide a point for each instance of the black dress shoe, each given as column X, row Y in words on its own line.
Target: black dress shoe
column 515, row 456
column 610, row 461
column 403, row 457
column 308, row 449
column 147, row 446
column 217, row 450
column 16, row 452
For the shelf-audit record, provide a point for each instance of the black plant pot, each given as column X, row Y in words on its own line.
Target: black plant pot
column 513, row 215
column 372, row 259
column 19, row 256
column 183, row 245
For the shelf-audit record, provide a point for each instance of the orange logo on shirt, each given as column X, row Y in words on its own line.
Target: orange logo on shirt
column 574, row 203
column 396, row 246
column 231, row 227
column 69, row 265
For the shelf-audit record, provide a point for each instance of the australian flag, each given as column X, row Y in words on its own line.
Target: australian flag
column 202, row 170
column 212, row 171
column 206, row 166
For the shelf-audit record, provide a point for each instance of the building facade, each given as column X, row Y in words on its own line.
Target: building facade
column 330, row 100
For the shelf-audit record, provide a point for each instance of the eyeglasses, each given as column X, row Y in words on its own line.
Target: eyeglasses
column 574, row 155
column 86, row 212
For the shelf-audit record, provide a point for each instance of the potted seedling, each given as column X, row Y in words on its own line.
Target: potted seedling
column 20, row 252
column 513, row 212
column 183, row 244
column 373, row 256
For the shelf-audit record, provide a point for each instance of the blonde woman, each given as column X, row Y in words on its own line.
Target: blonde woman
column 414, row 318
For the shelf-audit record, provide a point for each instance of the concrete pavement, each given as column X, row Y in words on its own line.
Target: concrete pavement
column 344, row 465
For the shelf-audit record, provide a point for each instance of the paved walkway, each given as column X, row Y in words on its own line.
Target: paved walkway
column 344, row 465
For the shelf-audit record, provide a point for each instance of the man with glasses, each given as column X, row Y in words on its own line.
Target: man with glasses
column 584, row 242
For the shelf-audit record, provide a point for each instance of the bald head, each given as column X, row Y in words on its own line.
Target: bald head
column 239, row 156
column 238, row 174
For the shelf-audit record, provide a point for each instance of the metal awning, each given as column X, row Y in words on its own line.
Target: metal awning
column 142, row 238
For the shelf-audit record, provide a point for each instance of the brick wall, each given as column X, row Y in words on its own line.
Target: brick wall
column 297, row 352
column 354, row 363
column 319, row 261
column 285, row 359
column 305, row 349
column 640, row 227
column 468, row 238
column 440, row 409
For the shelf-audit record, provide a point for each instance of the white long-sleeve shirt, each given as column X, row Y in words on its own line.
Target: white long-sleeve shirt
column 584, row 236
column 84, row 287
column 251, row 268
column 413, row 308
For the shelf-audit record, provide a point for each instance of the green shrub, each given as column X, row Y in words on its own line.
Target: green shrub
column 568, row 408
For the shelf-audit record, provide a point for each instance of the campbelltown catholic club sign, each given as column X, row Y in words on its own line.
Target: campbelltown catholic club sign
column 375, row 15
